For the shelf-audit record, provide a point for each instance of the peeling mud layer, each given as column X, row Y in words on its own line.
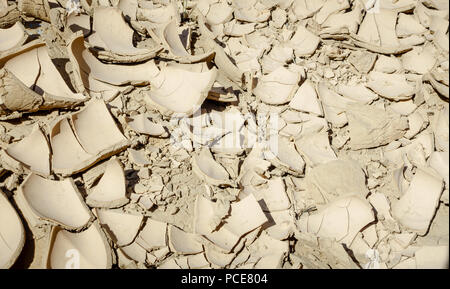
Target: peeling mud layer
column 224, row 134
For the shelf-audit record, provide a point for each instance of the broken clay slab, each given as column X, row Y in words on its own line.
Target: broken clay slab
column 171, row 39
column 377, row 33
column 142, row 124
column 371, row 127
column 12, row 37
column 110, row 192
column 341, row 219
column 184, row 242
column 417, row 206
column 87, row 65
column 112, row 38
column 329, row 181
column 153, row 235
column 304, row 42
column 306, row 100
column 88, row 249
column 56, row 202
column 283, row 154
column 122, row 227
column 315, row 148
column 77, row 144
column 31, row 81
column 31, row 153
column 180, row 92
column 208, row 169
column 391, row 86
column 277, row 87
column 12, row 232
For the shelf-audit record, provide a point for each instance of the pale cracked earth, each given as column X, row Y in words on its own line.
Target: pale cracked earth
column 224, row 134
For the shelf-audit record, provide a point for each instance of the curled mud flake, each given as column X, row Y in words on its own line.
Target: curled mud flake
column 183, row 242
column 372, row 127
column 112, row 38
column 110, row 190
column 122, row 227
column 87, row 65
column 340, row 220
column 32, row 152
column 12, row 233
column 178, row 91
column 12, row 37
column 417, row 206
column 142, row 124
column 88, row 249
column 391, row 86
column 278, row 87
column 334, row 179
column 57, row 202
column 208, row 169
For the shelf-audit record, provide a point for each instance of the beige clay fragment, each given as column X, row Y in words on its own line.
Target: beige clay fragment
column 359, row 93
column 285, row 156
column 77, row 143
column 172, row 41
column 102, row 138
column 334, row 179
column 88, row 249
column 121, row 226
column 377, row 33
column 417, row 206
column 176, row 91
column 12, row 233
column 305, row 99
column 9, row 14
column 391, row 86
column 206, row 224
column 153, row 235
column 12, row 37
column 142, row 124
column 57, row 202
column 32, row 153
column 183, row 242
column 304, row 42
column 341, row 220
column 111, row 40
column 278, row 87
column 334, row 105
column 30, row 81
column 371, row 127
column 208, row 169
column 110, row 190
column 87, row 65
column 315, row 149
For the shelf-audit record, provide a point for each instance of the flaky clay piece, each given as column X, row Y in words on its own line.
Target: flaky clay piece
column 32, row 153
column 111, row 40
column 180, row 92
column 12, row 37
column 110, row 190
column 87, row 137
column 88, row 249
column 57, row 202
column 12, row 233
